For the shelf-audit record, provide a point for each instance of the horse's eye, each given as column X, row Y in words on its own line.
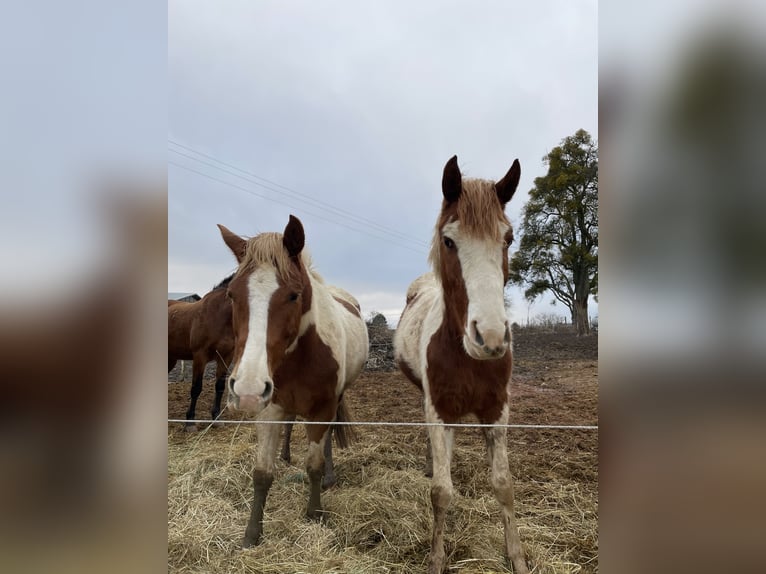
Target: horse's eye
column 228, row 295
column 293, row 296
column 449, row 243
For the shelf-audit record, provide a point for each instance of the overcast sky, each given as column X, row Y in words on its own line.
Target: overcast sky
column 344, row 114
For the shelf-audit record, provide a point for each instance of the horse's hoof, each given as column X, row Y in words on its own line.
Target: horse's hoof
column 518, row 566
column 436, row 564
column 285, row 457
column 191, row 427
column 328, row 482
column 217, row 425
column 315, row 515
column 250, row 541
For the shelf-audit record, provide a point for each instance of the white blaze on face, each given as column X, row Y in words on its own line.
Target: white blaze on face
column 252, row 371
column 481, row 262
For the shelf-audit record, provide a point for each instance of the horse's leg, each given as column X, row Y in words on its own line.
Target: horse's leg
column 285, row 454
column 441, row 487
column 429, row 466
column 184, row 370
column 198, row 370
column 502, row 485
column 263, row 474
column 220, row 386
column 329, row 469
column 318, row 435
column 429, row 469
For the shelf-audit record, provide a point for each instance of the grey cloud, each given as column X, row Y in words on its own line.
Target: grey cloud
column 360, row 107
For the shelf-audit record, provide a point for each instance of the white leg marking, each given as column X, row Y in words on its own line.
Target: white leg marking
column 441, row 486
column 315, row 456
column 442, row 439
column 268, row 438
column 502, row 485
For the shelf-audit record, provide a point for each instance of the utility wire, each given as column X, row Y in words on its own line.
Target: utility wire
column 390, row 424
column 298, row 208
column 324, row 206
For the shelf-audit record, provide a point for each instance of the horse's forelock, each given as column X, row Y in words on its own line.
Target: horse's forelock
column 479, row 211
column 268, row 249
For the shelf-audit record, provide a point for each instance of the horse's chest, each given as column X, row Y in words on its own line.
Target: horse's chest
column 459, row 385
column 307, row 372
column 307, row 376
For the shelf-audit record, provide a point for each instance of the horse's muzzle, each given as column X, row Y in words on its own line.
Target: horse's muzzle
column 251, row 403
column 488, row 345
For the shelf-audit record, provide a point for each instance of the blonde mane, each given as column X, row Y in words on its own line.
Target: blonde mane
column 479, row 211
column 267, row 249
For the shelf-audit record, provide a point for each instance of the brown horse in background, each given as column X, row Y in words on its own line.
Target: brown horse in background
column 202, row 332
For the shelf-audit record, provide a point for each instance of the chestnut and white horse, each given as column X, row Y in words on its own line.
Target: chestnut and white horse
column 298, row 343
column 454, row 342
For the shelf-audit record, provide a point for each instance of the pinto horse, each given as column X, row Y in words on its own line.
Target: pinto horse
column 453, row 340
column 202, row 331
column 298, row 344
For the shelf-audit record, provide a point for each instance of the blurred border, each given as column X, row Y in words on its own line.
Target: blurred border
column 82, row 293
column 683, row 277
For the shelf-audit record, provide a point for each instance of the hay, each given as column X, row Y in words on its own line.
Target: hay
column 379, row 515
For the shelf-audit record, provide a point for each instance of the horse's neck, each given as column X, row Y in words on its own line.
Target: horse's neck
column 451, row 312
column 319, row 295
column 322, row 312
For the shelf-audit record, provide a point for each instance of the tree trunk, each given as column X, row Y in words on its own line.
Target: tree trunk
column 581, row 316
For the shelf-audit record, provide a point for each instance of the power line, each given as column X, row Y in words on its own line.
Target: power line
column 324, row 206
column 302, row 209
column 319, row 203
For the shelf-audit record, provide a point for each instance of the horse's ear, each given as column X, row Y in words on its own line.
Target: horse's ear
column 234, row 241
column 294, row 238
column 507, row 186
column 452, row 180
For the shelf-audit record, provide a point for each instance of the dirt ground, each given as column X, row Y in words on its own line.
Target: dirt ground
column 555, row 381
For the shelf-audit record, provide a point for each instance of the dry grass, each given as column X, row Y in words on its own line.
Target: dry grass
column 378, row 514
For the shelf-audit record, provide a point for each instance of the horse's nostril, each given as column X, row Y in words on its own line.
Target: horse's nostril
column 479, row 338
column 231, row 385
column 268, row 387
